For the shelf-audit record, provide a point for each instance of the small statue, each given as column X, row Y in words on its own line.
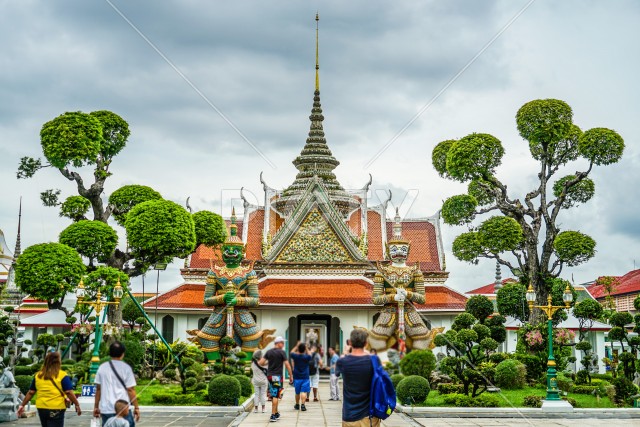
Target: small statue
column 397, row 287
column 312, row 337
column 231, row 290
column 9, row 395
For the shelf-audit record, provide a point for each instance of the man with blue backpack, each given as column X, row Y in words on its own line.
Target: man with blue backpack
column 368, row 394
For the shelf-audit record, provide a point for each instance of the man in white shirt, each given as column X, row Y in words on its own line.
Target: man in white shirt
column 115, row 381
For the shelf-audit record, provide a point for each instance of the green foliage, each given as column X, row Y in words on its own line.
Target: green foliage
column 164, row 398
column 624, row 388
column 620, row 319
column 447, row 388
column 474, row 156
column 511, row 374
column 125, row 198
column 28, row 167
column 500, row 233
column 170, row 373
column 245, row 384
column 134, row 355
column 439, row 156
column 115, row 131
column 584, row 389
column 396, row 378
column 482, row 191
column 71, row 138
column 601, row 146
column 413, row 389
column 25, row 370
column 564, row 383
column 464, row 401
column 467, row 247
column 588, row 309
column 224, row 390
column 480, row 307
column 75, row 208
column 190, row 383
column 574, row 248
column 459, row 210
column 104, row 279
column 532, row 401
column 581, row 192
column 584, row 346
column 499, row 357
column 92, row 239
column 511, row 301
column 48, row 271
column 535, row 367
column 544, row 122
column 418, row 362
column 23, row 382
column 158, row 230
column 210, row 228
column 130, row 312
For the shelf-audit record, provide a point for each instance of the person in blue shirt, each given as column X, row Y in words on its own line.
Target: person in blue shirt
column 333, row 385
column 356, row 369
column 300, row 357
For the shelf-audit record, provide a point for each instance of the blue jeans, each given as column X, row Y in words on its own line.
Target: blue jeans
column 51, row 417
column 129, row 418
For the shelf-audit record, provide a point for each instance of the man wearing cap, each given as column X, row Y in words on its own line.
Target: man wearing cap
column 276, row 358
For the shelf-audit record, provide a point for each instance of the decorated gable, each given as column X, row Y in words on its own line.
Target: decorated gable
column 314, row 241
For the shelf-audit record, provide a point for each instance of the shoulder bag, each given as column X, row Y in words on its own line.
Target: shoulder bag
column 67, row 401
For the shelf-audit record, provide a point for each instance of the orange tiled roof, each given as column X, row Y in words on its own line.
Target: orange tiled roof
column 316, row 292
column 424, row 246
column 374, row 238
column 490, row 289
column 627, row 284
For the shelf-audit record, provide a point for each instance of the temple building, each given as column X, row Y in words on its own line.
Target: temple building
column 315, row 248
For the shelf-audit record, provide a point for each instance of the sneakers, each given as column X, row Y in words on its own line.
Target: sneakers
column 296, row 407
column 273, row 418
column 277, row 415
column 303, row 408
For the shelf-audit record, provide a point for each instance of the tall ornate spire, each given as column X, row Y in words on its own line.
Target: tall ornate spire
column 397, row 226
column 316, row 160
column 18, row 250
column 233, row 238
column 317, row 56
column 498, row 283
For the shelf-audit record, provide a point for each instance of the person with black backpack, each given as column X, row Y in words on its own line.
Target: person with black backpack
column 314, row 371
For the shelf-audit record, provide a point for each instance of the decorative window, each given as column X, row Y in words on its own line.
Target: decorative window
column 167, row 328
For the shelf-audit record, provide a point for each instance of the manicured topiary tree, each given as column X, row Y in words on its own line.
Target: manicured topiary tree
column 224, row 390
column 526, row 235
column 245, row 384
column 396, row 378
column 210, row 228
column 94, row 240
column 511, row 374
column 413, row 390
column 480, row 307
column 418, row 362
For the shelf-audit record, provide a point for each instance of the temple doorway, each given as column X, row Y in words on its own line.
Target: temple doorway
column 306, row 326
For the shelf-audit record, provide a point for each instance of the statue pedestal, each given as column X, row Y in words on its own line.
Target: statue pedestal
column 9, row 404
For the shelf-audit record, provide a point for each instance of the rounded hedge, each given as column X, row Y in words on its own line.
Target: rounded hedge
column 23, row 382
column 511, row 374
column 396, row 378
column 413, row 389
column 418, row 362
column 224, row 390
column 245, row 384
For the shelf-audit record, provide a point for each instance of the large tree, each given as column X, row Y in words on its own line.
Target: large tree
column 524, row 233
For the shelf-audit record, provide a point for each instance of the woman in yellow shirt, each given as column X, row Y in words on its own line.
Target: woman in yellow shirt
column 54, row 391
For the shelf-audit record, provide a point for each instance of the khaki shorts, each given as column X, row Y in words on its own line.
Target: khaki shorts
column 365, row 422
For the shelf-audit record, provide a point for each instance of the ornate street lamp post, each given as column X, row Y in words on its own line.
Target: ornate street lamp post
column 98, row 305
column 549, row 309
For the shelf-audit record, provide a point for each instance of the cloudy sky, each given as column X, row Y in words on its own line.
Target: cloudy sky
column 215, row 93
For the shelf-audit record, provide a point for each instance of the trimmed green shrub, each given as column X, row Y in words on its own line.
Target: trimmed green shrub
column 24, row 370
column 485, row 401
column 571, row 401
column 535, row 366
column 170, row 373
column 23, row 382
column 445, row 388
column 457, row 399
column 564, row 383
column 67, row 362
column 532, row 401
column 624, row 389
column 224, row 390
column 498, row 357
column 606, row 377
column 201, row 386
column 190, row 374
column 511, row 374
column 163, row 397
column 396, row 378
column 418, row 362
column 584, row 389
column 245, row 384
column 413, row 389
column 582, row 377
column 190, row 382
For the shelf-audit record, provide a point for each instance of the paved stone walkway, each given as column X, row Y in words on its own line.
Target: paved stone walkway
column 323, row 413
column 524, row 422
column 173, row 419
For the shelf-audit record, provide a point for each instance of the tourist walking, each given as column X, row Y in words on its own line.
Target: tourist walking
column 314, row 372
column 115, row 381
column 334, row 388
column 55, row 393
column 259, row 381
column 122, row 412
column 301, row 358
column 356, row 369
column 276, row 358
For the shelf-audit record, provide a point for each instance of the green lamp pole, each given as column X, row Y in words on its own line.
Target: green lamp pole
column 552, row 382
column 98, row 305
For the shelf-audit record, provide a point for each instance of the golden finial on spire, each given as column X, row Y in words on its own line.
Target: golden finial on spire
column 317, row 56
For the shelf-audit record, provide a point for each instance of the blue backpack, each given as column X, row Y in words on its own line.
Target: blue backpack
column 383, row 395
